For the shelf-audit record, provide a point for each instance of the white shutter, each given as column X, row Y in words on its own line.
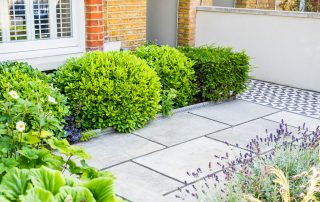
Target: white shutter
column 22, row 20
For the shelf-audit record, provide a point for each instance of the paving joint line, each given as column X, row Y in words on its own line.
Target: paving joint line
column 149, row 140
column 209, row 118
column 164, row 175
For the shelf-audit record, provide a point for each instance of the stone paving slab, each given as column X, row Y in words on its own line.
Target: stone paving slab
column 111, row 149
column 137, row 183
column 295, row 119
column 179, row 128
column 234, row 112
column 242, row 134
column 200, row 191
column 176, row 161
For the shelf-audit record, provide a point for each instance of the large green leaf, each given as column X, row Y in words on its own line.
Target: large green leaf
column 3, row 199
column 74, row 194
column 15, row 183
column 37, row 194
column 102, row 189
column 50, row 180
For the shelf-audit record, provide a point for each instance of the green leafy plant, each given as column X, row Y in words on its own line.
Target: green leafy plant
column 20, row 80
column 27, row 138
column 113, row 89
column 175, row 72
column 88, row 135
column 167, row 100
column 44, row 184
column 221, row 72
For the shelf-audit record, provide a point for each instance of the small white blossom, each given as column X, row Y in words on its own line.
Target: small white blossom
column 14, row 94
column 52, row 100
column 21, row 126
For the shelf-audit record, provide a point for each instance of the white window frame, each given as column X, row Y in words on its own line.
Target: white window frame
column 31, row 49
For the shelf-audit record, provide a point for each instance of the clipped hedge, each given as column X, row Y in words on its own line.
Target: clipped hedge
column 114, row 89
column 221, row 72
column 20, row 80
column 175, row 72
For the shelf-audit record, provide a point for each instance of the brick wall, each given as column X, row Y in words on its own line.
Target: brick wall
column 260, row 4
column 94, row 25
column 125, row 21
column 187, row 20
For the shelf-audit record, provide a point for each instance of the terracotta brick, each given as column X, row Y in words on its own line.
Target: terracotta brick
column 94, row 25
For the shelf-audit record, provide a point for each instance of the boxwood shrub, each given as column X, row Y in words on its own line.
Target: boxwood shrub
column 174, row 69
column 32, row 85
column 221, row 72
column 110, row 89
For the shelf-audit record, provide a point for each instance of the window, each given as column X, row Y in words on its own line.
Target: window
column 42, row 32
column 25, row 20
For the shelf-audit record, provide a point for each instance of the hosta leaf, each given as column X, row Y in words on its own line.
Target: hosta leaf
column 15, row 183
column 37, row 194
column 77, row 194
column 102, row 189
column 50, row 180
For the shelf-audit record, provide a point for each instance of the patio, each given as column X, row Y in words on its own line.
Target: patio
column 151, row 163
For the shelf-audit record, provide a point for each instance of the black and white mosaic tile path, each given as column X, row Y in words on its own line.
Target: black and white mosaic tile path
column 283, row 97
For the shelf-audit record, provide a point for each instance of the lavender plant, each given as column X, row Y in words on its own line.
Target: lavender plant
column 254, row 175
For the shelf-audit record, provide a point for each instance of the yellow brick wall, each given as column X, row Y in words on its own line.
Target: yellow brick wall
column 125, row 20
column 260, row 4
column 187, row 20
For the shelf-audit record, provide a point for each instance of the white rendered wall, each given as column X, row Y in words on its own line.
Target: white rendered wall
column 285, row 47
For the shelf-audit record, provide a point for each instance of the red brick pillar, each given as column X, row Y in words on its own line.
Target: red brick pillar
column 94, row 25
column 187, row 20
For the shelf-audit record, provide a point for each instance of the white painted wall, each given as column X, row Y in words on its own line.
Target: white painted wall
column 162, row 21
column 285, row 47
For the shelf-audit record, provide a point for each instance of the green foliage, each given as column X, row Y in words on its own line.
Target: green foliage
column 85, row 136
column 175, row 72
column 19, row 81
column 110, row 89
column 44, row 184
column 30, row 146
column 257, row 181
column 167, row 101
column 221, row 72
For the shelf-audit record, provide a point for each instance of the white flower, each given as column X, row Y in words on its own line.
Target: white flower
column 21, row 126
column 52, row 100
column 14, row 94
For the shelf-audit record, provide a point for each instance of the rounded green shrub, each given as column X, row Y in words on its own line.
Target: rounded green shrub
column 174, row 69
column 221, row 72
column 20, row 80
column 114, row 89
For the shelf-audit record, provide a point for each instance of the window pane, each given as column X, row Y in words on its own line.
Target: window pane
column 17, row 14
column 64, row 27
column 41, row 19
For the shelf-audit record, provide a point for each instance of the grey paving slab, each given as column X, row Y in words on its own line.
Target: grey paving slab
column 137, row 183
column 241, row 135
column 179, row 128
column 176, row 161
column 201, row 191
column 234, row 112
column 295, row 120
column 111, row 149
